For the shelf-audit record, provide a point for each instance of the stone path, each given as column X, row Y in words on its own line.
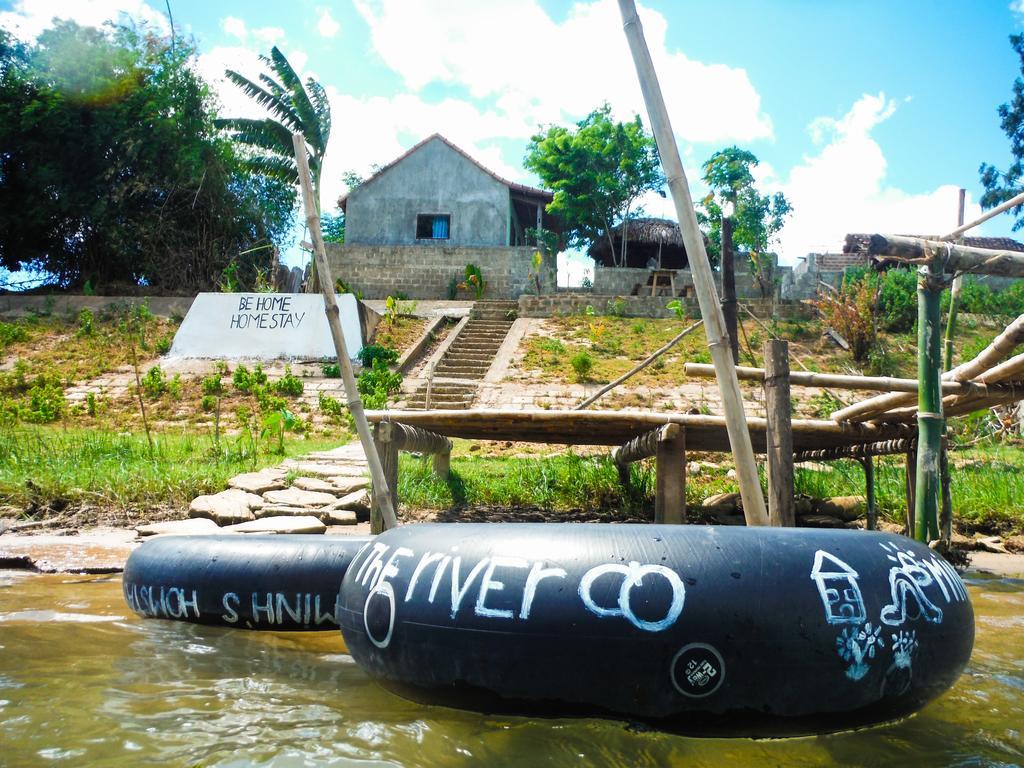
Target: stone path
column 308, row 494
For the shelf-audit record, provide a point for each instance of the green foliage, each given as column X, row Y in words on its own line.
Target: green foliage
column 617, row 307
column 331, row 407
column 90, row 403
column 757, row 219
column 371, row 353
column 294, row 107
column 154, row 382
column 85, row 322
column 174, row 387
column 208, row 403
column 275, row 423
column 453, row 288
column 45, row 401
column 1000, row 186
column 229, row 281
column 289, row 384
column 331, row 370
column 823, row 405
column 474, row 281
column 11, row 333
column 212, row 386
column 163, row 345
column 245, row 380
column 113, row 171
column 581, row 363
column 677, row 308
column 596, row 171
column 897, row 300
column 266, row 400
column 376, row 383
column 333, row 227
column 850, row 312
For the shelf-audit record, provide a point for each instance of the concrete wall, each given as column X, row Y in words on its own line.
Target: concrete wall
column 15, row 304
column 623, row 280
column 641, row 306
column 434, row 179
column 425, row 271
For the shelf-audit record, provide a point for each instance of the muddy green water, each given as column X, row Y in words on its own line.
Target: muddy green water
column 85, row 682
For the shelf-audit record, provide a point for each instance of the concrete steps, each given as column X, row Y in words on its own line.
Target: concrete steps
column 469, row 357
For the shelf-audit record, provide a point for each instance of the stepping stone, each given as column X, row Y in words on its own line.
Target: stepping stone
column 321, row 469
column 305, row 524
column 223, row 511
column 259, row 482
column 347, row 485
column 281, row 510
column 313, row 484
column 296, row 497
column 356, row 502
column 252, row 500
column 195, row 526
column 338, row 517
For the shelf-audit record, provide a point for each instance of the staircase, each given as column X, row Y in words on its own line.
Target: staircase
column 465, row 363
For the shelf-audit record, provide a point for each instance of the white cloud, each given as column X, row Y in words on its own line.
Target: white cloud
column 544, row 72
column 843, row 188
column 235, row 27
column 326, row 25
column 1017, row 6
column 30, row 17
column 268, row 36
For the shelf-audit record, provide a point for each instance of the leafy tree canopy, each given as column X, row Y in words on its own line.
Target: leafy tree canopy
column 597, row 171
column 112, row 171
column 1000, row 186
column 757, row 219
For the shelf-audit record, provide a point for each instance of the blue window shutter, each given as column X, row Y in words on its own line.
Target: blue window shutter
column 440, row 231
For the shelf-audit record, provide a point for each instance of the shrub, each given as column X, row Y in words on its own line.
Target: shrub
column 581, row 364
column 897, row 300
column 153, row 383
column 376, row 383
column 212, row 386
column 371, row 353
column 331, row 370
column 289, row 384
column 12, row 332
column 163, row 345
column 266, row 401
column 474, row 281
column 850, row 311
column 245, row 380
column 90, row 403
column 617, row 307
column 208, row 403
column 45, row 401
column 331, row 406
column 174, row 387
column 85, row 321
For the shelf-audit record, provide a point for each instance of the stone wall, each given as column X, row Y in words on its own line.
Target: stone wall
column 426, row 271
column 16, row 304
column 624, row 280
column 641, row 306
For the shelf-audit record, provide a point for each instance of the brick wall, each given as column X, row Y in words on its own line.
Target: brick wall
column 425, row 271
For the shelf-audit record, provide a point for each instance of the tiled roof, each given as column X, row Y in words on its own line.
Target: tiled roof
column 520, row 188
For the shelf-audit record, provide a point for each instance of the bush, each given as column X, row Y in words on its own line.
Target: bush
column 208, row 403
column 581, row 364
column 245, row 380
column 850, row 312
column 376, row 383
column 266, row 401
column 163, row 345
column 331, row 406
column 371, row 353
column 12, row 332
column 45, row 401
column 153, row 383
column 212, row 386
column 85, row 320
column 897, row 300
column 331, row 370
column 289, row 384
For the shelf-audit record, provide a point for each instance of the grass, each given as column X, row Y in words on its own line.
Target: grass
column 988, row 492
column 47, row 467
column 401, row 333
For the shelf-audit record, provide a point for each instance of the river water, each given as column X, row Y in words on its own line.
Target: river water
column 83, row 681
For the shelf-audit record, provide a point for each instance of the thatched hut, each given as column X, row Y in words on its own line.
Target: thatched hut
column 649, row 242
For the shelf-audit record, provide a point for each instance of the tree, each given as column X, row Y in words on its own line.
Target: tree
column 112, row 171
column 596, row 171
column 297, row 109
column 1000, row 186
column 756, row 218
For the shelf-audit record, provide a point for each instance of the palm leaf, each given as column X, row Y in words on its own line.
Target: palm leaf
column 273, row 167
column 266, row 134
column 322, row 108
column 273, row 86
column 274, row 104
column 300, row 103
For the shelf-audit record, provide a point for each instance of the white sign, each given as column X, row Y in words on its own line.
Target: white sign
column 264, row 326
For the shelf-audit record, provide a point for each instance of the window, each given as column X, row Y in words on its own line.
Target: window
column 433, row 226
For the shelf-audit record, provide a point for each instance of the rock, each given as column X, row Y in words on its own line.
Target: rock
column 846, row 508
column 693, row 468
column 723, row 503
column 348, row 485
column 252, row 500
column 223, row 510
column 338, row 517
column 313, row 484
column 281, row 510
column 296, row 497
column 195, row 526
column 821, row 521
column 358, row 502
column 259, row 482
column 304, row 524
column 322, row 469
column 990, row 544
column 731, row 473
column 803, row 505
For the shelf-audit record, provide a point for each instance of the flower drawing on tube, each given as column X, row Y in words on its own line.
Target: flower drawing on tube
column 856, row 646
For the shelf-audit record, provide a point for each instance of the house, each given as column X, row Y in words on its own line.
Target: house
column 413, row 226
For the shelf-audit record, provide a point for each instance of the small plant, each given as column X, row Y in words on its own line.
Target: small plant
column 266, row 401
column 823, row 405
column 331, row 370
column 11, row 333
column 212, row 386
column 617, row 307
column 474, row 281
column 45, row 401
column 581, row 364
column 453, row 288
column 677, row 308
column 163, row 345
column 229, row 282
column 174, row 387
column 639, row 327
column 85, row 322
column 376, row 383
column 90, row 403
column 208, row 403
column 274, row 425
column 850, row 312
column 245, row 380
column 289, row 385
column 371, row 353
column 331, row 407
column 154, row 383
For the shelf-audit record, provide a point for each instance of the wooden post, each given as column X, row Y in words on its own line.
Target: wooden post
column 729, row 292
column 382, row 491
column 670, row 476
column 387, row 449
column 910, row 478
column 779, row 434
column 868, row 462
column 703, row 279
column 443, row 464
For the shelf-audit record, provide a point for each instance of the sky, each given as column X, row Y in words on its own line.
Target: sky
column 867, row 115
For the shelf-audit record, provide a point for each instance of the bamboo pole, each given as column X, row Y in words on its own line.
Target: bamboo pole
column 632, row 372
column 1011, row 203
column 954, row 297
column 956, row 258
column 779, row 434
column 994, row 353
column 868, row 462
column 704, row 283
column 729, row 289
column 381, row 492
column 930, row 422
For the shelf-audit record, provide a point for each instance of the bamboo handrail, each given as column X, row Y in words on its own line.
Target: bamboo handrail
column 952, row 257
